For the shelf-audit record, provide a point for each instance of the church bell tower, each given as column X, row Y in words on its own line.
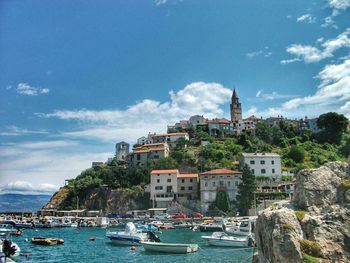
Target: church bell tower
column 236, row 108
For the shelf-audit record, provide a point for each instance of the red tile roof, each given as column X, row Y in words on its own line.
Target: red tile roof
column 164, row 171
column 187, row 176
column 220, row 172
column 149, row 150
column 171, row 134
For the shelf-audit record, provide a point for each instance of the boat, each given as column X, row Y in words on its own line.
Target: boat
column 7, row 228
column 221, row 239
column 243, row 228
column 47, row 241
column 169, row 247
column 131, row 236
column 212, row 226
column 167, row 226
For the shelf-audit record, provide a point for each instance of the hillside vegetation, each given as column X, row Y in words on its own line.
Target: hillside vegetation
column 298, row 151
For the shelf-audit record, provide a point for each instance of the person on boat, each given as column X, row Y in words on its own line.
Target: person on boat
column 18, row 232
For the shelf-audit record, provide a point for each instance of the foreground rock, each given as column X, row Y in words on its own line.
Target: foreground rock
column 315, row 225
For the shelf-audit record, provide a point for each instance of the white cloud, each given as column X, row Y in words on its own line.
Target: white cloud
column 26, row 89
column 164, row 2
column 312, row 54
column 339, row 4
column 333, row 94
column 272, row 96
column 307, row 18
column 147, row 115
column 24, row 187
column 329, row 22
column 262, row 52
column 16, row 131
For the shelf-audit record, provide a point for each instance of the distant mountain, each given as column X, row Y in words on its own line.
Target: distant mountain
column 22, row 202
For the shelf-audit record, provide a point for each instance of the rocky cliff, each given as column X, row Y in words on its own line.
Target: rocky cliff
column 315, row 226
column 103, row 198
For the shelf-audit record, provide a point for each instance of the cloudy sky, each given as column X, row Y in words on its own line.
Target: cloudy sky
column 78, row 76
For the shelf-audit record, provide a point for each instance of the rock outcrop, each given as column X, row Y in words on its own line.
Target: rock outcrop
column 315, row 225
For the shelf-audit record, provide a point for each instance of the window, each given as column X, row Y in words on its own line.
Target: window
column 228, row 183
column 236, row 183
column 169, row 180
column 263, row 171
column 252, row 162
column 262, row 162
column 252, row 171
column 272, row 162
column 158, row 180
column 159, row 188
column 221, row 183
column 206, row 184
column 183, row 180
column 273, row 171
column 182, row 188
column 214, row 184
column 191, row 180
column 138, row 157
column 156, row 157
column 190, row 188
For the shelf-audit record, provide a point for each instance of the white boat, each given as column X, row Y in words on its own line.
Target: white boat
column 221, row 239
column 128, row 237
column 169, row 247
column 243, row 228
column 75, row 224
column 7, row 228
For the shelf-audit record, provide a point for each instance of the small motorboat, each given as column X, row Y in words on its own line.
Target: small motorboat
column 169, row 247
column 7, row 228
column 212, row 226
column 167, row 226
column 131, row 236
column 242, row 228
column 221, row 239
column 47, row 241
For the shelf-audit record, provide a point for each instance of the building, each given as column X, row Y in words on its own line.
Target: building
column 211, row 182
column 142, row 140
column 164, row 186
column 311, row 124
column 267, row 186
column 148, row 153
column 187, row 185
column 197, row 120
column 235, row 107
column 246, row 125
column 170, row 138
column 217, row 127
column 121, row 151
column 262, row 164
column 274, row 120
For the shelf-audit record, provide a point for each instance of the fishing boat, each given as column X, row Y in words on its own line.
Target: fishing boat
column 221, row 239
column 169, row 247
column 47, row 241
column 130, row 236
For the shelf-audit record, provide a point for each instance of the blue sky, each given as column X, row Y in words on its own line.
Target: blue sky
column 78, row 76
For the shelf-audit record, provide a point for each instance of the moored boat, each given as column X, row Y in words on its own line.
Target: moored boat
column 212, row 226
column 169, row 247
column 221, row 239
column 47, row 241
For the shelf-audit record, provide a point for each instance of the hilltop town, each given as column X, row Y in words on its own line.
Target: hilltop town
column 209, row 165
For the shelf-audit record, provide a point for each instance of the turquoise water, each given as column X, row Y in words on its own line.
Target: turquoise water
column 78, row 248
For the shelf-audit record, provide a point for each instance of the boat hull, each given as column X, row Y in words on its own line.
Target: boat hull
column 169, row 248
column 225, row 242
column 210, row 228
column 125, row 242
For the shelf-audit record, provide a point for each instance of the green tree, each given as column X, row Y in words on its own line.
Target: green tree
column 246, row 191
column 333, row 125
column 222, row 201
column 296, row 153
column 264, row 132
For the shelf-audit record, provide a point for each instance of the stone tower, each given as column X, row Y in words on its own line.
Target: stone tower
column 121, row 151
column 236, row 108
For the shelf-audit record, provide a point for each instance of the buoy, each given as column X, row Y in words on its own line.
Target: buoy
column 133, row 248
column 92, row 239
column 26, row 255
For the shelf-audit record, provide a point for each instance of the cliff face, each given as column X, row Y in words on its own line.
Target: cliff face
column 104, row 198
column 315, row 225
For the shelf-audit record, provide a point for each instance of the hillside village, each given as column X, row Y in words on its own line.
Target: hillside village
column 199, row 160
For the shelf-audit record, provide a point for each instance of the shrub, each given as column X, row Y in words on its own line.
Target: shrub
column 297, row 154
column 310, row 259
column 262, row 178
column 300, row 214
column 287, row 226
column 345, row 184
column 310, row 247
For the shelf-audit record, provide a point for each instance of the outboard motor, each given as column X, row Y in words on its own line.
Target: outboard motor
column 8, row 249
column 251, row 242
column 153, row 237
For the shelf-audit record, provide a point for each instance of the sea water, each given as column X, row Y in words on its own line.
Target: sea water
column 78, row 248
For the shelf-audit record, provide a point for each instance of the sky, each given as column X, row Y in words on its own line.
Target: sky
column 78, row 76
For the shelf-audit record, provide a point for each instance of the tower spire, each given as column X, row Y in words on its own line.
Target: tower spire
column 235, row 107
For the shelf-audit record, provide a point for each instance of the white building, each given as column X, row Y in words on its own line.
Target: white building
column 170, row 138
column 148, row 153
column 142, row 140
column 163, row 186
column 212, row 182
column 262, row 164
